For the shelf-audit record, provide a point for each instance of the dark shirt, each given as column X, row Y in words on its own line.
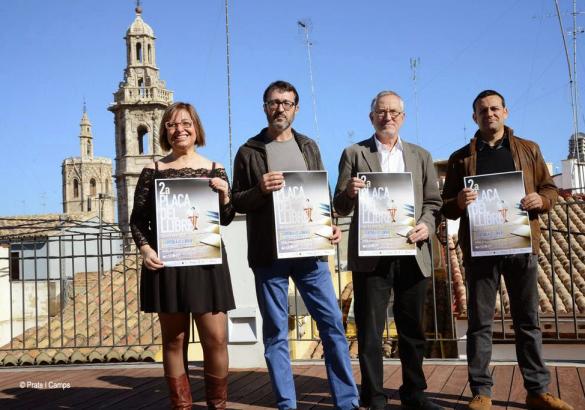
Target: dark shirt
column 491, row 160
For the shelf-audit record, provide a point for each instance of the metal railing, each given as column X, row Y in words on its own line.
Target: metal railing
column 72, row 291
column 82, row 290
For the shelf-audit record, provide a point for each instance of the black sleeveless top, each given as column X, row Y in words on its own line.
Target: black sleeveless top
column 195, row 289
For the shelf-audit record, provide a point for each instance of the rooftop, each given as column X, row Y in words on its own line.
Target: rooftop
column 143, row 386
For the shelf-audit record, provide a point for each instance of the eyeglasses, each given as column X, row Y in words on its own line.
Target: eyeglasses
column 171, row 126
column 382, row 113
column 273, row 104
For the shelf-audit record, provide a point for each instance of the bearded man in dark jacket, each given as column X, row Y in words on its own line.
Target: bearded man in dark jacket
column 257, row 173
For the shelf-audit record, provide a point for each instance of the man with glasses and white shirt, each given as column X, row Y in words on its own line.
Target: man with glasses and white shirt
column 257, row 173
column 373, row 276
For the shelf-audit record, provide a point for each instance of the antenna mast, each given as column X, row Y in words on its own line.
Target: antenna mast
column 575, row 88
column 577, row 174
column 305, row 26
column 229, row 88
column 414, row 63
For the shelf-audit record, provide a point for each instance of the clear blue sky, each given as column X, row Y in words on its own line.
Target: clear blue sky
column 55, row 53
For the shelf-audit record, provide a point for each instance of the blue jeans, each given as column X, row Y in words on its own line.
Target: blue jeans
column 313, row 281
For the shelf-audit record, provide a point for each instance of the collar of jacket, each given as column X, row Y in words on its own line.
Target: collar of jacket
column 259, row 141
column 471, row 160
column 373, row 161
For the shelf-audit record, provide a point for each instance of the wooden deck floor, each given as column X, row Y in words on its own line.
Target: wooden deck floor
column 141, row 386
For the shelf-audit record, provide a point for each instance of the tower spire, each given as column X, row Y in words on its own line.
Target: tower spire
column 138, row 8
column 85, row 136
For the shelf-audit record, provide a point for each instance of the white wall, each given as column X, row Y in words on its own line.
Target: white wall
column 243, row 354
column 32, row 301
column 573, row 175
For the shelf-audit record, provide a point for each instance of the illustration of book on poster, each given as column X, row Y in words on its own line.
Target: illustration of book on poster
column 187, row 220
column 302, row 215
column 497, row 224
column 386, row 214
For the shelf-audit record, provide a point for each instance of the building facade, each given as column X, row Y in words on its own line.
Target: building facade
column 577, row 147
column 139, row 104
column 87, row 180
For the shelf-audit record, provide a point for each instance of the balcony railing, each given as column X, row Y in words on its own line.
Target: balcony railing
column 64, row 293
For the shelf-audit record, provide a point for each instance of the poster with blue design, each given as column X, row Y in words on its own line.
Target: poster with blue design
column 497, row 223
column 187, row 222
column 302, row 215
column 385, row 214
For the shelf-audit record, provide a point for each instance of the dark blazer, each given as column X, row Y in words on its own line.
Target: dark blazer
column 363, row 157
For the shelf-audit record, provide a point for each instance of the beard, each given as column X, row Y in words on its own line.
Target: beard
column 279, row 122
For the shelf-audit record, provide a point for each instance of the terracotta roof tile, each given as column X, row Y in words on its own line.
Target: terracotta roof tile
column 74, row 336
column 565, row 296
column 38, row 225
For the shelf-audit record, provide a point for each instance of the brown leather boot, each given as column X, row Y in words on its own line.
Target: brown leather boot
column 216, row 391
column 179, row 392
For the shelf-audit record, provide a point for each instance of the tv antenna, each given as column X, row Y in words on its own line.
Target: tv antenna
column 576, row 152
column 306, row 26
column 414, row 63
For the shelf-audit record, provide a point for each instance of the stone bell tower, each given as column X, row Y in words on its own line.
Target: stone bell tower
column 139, row 104
column 87, row 180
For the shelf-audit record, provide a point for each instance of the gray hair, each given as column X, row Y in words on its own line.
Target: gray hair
column 384, row 93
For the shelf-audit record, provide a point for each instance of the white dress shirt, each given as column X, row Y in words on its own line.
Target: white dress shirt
column 390, row 160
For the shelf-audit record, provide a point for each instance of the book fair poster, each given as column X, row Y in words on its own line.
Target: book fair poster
column 497, row 224
column 187, row 221
column 302, row 215
column 386, row 214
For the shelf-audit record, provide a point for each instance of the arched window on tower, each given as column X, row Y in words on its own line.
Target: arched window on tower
column 149, row 54
column 107, row 187
column 75, row 188
column 139, row 52
column 141, row 89
column 92, row 187
column 88, row 148
column 143, row 145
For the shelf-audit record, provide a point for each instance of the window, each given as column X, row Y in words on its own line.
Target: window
column 149, row 54
column 123, row 140
column 139, row 52
column 92, row 189
column 14, row 266
column 75, row 188
column 89, row 204
column 89, row 148
column 143, row 140
column 141, row 89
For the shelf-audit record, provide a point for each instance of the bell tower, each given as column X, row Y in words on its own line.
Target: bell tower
column 87, row 180
column 138, row 106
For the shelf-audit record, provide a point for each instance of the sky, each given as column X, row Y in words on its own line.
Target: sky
column 54, row 54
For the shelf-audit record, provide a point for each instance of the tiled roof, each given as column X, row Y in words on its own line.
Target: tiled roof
column 563, row 295
column 108, row 302
column 38, row 225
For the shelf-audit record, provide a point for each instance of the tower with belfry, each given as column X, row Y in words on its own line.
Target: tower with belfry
column 138, row 106
column 87, row 180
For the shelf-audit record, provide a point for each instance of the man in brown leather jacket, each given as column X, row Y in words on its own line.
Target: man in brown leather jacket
column 494, row 149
